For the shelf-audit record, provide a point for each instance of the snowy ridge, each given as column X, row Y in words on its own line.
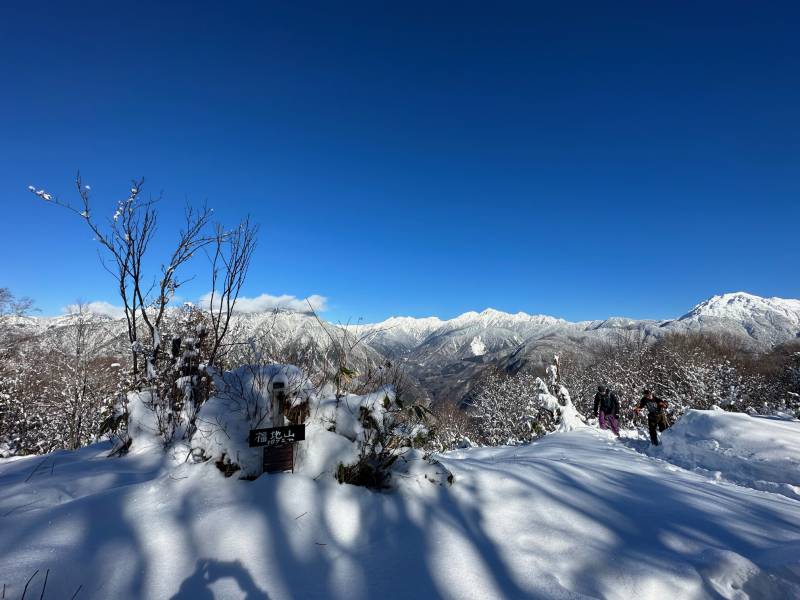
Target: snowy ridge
column 422, row 327
column 763, row 321
column 444, row 356
column 746, row 310
column 741, row 306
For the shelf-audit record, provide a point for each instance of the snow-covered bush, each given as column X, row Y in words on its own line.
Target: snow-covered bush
column 515, row 409
column 559, row 403
column 502, row 410
column 56, row 388
column 355, row 438
column 181, row 383
column 452, row 428
column 383, row 429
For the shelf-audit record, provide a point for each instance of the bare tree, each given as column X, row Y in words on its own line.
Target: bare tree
column 126, row 237
column 11, row 305
column 82, row 376
column 230, row 262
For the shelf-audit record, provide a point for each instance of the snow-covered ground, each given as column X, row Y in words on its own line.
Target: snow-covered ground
column 575, row 515
column 758, row 452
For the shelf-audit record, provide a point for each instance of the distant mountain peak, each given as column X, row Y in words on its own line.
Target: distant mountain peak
column 741, row 306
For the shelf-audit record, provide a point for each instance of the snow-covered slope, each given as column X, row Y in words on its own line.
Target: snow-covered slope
column 397, row 336
column 767, row 321
column 454, row 337
column 745, row 307
column 575, row 515
column 759, row 452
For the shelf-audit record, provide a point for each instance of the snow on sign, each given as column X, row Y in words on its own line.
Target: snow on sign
column 277, row 436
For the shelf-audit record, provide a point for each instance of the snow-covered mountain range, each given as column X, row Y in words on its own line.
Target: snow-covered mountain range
column 444, row 356
column 763, row 322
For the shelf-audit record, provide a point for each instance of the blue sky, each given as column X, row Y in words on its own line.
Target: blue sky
column 575, row 160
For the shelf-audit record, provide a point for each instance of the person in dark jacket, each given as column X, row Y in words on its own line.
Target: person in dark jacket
column 656, row 414
column 606, row 409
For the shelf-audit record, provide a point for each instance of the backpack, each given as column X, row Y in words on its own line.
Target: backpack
column 607, row 402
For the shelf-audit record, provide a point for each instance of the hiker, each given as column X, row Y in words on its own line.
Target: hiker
column 656, row 414
column 606, row 408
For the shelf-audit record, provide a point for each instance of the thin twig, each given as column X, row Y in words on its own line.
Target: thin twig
column 36, row 468
column 25, row 591
column 75, row 595
column 44, row 587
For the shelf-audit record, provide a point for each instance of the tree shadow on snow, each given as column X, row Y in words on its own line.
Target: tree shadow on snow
column 198, row 585
column 646, row 521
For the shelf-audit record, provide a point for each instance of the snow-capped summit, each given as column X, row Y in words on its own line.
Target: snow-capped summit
column 398, row 335
column 741, row 305
column 765, row 320
column 494, row 317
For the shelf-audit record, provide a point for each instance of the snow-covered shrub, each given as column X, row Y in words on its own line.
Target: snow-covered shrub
column 179, row 382
column 500, row 409
column 789, row 386
column 452, row 428
column 383, row 429
column 355, row 438
column 515, row 409
column 177, row 385
column 559, row 402
column 57, row 387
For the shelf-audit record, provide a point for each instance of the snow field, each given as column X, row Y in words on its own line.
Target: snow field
column 758, row 452
column 574, row 515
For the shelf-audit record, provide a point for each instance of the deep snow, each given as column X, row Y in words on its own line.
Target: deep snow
column 755, row 451
column 575, row 515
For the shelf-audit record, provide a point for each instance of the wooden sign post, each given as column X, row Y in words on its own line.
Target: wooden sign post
column 278, row 443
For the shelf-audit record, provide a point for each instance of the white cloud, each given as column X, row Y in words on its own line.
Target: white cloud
column 262, row 303
column 266, row 303
column 98, row 307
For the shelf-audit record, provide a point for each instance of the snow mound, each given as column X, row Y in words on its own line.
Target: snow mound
column 762, row 453
column 340, row 431
column 142, row 423
column 241, row 403
column 733, row 576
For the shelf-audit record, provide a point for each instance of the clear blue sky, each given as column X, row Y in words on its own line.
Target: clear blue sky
column 572, row 159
